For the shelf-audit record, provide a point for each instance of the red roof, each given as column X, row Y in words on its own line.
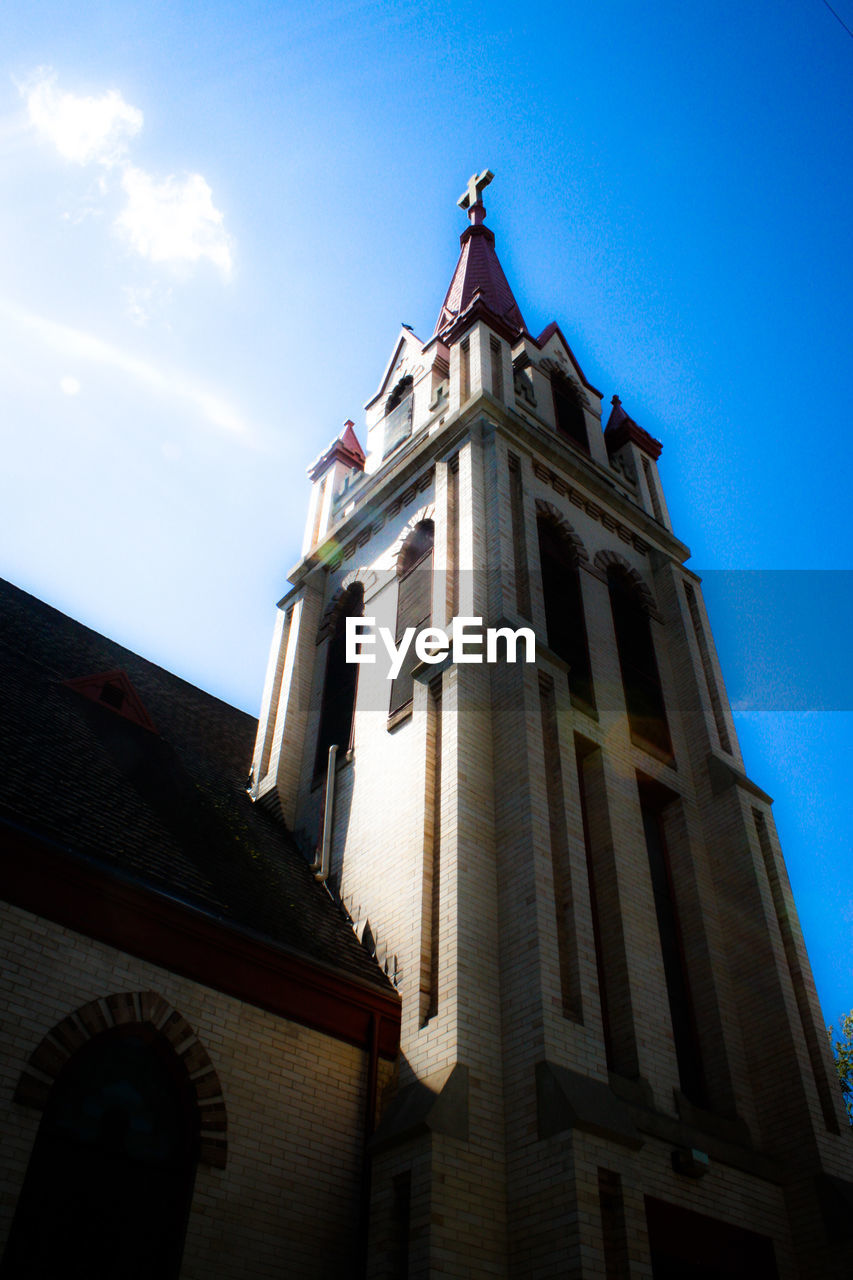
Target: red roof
column 621, row 428
column 346, row 448
column 478, row 272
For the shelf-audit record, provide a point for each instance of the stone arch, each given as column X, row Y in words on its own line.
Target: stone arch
column 398, row 393
column 425, row 513
column 606, row 560
column 145, row 1008
column 555, row 370
column 547, row 511
column 366, row 577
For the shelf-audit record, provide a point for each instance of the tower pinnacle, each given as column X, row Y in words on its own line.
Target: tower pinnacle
column 478, row 276
column 471, row 198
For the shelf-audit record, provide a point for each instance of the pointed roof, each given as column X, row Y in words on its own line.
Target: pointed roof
column 344, row 448
column 621, row 428
column 479, row 275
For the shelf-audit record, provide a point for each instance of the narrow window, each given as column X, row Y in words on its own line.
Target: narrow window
column 519, row 537
column 398, row 415
column 568, row 411
column 453, row 536
column 613, row 1230
column 109, row 1183
column 620, row 1042
column 708, row 668
column 640, row 678
column 401, row 1209
column 431, row 895
column 497, row 368
column 798, row 976
column 691, row 1076
column 414, row 604
column 464, row 370
column 567, row 952
column 564, row 616
column 337, row 712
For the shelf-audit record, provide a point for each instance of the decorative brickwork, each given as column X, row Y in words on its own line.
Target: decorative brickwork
column 125, row 1009
column 591, row 507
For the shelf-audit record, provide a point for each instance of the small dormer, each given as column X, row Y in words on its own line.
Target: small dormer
column 402, row 404
column 330, row 474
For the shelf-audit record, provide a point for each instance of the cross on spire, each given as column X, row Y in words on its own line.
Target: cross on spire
column 471, row 198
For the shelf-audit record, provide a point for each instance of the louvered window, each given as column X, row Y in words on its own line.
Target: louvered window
column 414, row 604
column 398, row 415
column 640, row 678
column 564, row 617
column 568, row 411
column 338, row 708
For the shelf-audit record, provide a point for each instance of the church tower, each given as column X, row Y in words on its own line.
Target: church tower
column 612, row 1056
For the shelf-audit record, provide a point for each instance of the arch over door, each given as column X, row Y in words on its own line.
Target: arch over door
column 109, row 1183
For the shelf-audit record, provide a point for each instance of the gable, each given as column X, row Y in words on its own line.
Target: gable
column 113, row 690
column 554, row 346
column 407, row 360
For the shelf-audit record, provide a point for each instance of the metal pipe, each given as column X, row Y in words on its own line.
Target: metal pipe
column 320, row 865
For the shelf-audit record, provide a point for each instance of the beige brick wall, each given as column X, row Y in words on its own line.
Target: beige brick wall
column 286, row 1203
column 506, row 1201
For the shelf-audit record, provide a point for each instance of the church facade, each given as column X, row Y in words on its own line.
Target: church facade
column 495, row 970
column 612, row 1057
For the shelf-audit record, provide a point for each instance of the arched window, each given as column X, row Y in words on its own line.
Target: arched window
column 640, row 678
column 568, row 410
column 108, row 1187
column 564, row 617
column 414, row 603
column 398, row 415
column 337, row 712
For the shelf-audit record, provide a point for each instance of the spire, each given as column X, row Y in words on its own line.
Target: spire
column 478, row 275
column 622, row 427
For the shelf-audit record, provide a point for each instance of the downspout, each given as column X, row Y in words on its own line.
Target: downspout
column 323, row 856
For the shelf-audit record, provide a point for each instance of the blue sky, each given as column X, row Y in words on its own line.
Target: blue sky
column 216, row 216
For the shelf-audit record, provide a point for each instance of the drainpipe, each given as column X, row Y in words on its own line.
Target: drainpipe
column 323, row 856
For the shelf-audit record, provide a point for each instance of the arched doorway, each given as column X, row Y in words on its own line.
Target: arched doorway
column 109, row 1182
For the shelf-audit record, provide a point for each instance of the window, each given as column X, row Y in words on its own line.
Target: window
column 398, row 415
column 337, row 712
column 690, row 1073
column 496, row 352
column 110, row 1179
column 564, row 618
column 640, row 679
column 464, row 370
column 568, row 411
column 414, row 603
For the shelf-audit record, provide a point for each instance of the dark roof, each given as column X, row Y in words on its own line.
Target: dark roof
column 479, row 274
column 165, row 807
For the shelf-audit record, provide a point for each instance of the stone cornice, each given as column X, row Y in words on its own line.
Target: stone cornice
column 412, row 472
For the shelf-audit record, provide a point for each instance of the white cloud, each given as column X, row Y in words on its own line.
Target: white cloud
column 174, row 220
column 83, row 129
column 76, row 345
column 69, row 386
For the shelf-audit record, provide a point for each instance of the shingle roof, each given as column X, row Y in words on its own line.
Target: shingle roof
column 479, row 274
column 164, row 809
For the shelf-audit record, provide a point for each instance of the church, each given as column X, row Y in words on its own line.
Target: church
column 490, row 967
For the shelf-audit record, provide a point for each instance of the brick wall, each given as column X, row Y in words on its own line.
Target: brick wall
column 287, row 1201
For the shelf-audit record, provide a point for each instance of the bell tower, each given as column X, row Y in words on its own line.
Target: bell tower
column 612, row 1056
